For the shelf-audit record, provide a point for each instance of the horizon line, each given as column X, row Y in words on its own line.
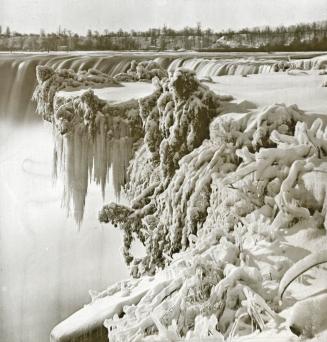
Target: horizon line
column 203, row 28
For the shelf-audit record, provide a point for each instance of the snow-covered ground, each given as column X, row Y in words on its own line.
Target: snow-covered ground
column 127, row 92
column 303, row 88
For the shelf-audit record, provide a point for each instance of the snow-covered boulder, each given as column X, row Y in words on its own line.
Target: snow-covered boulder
column 142, row 71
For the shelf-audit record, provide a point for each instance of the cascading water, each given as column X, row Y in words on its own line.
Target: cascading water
column 205, row 67
column 47, row 264
column 18, row 79
column 218, row 67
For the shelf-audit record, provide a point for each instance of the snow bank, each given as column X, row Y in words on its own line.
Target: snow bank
column 300, row 267
column 309, row 317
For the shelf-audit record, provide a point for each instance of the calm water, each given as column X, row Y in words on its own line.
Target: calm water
column 47, row 264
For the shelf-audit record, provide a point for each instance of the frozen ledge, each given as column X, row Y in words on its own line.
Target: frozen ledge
column 105, row 115
column 87, row 323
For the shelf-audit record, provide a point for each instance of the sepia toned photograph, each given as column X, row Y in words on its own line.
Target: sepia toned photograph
column 163, row 171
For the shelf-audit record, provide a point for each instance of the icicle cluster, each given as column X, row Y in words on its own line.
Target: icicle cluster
column 91, row 135
column 142, row 71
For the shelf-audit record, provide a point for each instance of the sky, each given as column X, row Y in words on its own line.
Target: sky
column 79, row 15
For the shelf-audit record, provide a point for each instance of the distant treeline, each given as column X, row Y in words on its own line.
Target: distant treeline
column 301, row 37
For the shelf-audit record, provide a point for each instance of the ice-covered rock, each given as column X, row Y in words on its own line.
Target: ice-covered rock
column 91, row 135
column 142, row 71
column 176, row 119
column 227, row 198
column 209, row 193
column 51, row 81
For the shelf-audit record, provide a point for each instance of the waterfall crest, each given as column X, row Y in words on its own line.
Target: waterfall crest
column 213, row 67
column 19, row 80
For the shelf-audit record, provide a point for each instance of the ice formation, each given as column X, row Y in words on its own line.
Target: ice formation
column 209, row 220
column 176, row 119
column 142, row 71
column 210, row 196
column 51, row 81
column 91, row 135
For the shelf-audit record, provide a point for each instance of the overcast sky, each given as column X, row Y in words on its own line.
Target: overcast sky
column 79, row 15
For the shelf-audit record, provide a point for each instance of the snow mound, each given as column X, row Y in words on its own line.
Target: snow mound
column 309, row 317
